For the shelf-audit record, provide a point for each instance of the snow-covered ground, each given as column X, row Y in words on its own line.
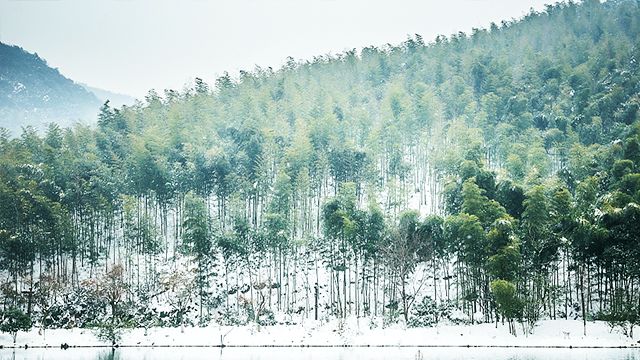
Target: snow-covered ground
column 549, row 333
column 395, row 353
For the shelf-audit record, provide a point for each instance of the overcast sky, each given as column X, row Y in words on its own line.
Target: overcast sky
column 131, row 46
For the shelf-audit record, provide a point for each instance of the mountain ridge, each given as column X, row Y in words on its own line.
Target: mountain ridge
column 32, row 93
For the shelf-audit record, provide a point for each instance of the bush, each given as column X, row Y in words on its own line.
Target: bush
column 82, row 306
column 266, row 318
column 392, row 314
column 231, row 318
column 424, row 313
column 14, row 320
column 428, row 313
column 109, row 331
column 625, row 318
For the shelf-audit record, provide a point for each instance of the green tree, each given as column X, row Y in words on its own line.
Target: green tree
column 197, row 242
column 13, row 321
column 509, row 305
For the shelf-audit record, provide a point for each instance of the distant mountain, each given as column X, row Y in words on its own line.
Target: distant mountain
column 115, row 99
column 33, row 93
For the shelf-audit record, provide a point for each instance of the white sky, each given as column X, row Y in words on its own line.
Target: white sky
column 131, row 46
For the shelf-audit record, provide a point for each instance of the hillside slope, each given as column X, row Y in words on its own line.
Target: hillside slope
column 32, row 93
column 483, row 177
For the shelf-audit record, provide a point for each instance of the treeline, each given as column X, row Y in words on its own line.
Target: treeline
column 288, row 191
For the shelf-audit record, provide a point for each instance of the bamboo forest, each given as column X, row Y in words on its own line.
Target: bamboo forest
column 487, row 177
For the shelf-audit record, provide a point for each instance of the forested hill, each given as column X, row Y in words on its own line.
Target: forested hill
column 32, row 93
column 516, row 146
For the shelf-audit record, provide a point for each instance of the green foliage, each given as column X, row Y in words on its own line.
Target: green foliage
column 231, row 318
column 622, row 315
column 196, row 237
column 474, row 202
column 428, row 313
column 509, row 305
column 466, row 237
column 109, row 332
column 264, row 318
column 504, row 264
column 13, row 320
column 523, row 141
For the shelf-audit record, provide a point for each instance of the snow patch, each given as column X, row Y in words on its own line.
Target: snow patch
column 351, row 332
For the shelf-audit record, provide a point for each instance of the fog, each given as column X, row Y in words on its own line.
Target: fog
column 130, row 46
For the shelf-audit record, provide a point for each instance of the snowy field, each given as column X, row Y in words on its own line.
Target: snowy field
column 549, row 333
column 320, row 354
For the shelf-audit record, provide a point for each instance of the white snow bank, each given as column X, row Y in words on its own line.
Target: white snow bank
column 320, row 354
column 352, row 333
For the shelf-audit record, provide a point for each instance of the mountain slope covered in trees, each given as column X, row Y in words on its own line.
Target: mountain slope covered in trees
column 32, row 93
column 483, row 176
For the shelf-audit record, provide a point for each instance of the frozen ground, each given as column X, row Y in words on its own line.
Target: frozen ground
column 550, row 333
column 320, row 354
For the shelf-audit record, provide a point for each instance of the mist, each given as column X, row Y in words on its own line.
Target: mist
column 131, row 46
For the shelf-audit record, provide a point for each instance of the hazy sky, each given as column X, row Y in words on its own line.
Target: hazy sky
column 131, row 46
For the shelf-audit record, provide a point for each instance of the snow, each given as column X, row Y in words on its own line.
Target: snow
column 415, row 203
column 320, row 354
column 18, row 87
column 353, row 332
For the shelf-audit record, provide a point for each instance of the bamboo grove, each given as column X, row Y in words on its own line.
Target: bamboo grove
column 489, row 176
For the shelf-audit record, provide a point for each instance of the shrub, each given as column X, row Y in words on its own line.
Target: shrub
column 624, row 317
column 109, row 332
column 14, row 320
column 429, row 313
